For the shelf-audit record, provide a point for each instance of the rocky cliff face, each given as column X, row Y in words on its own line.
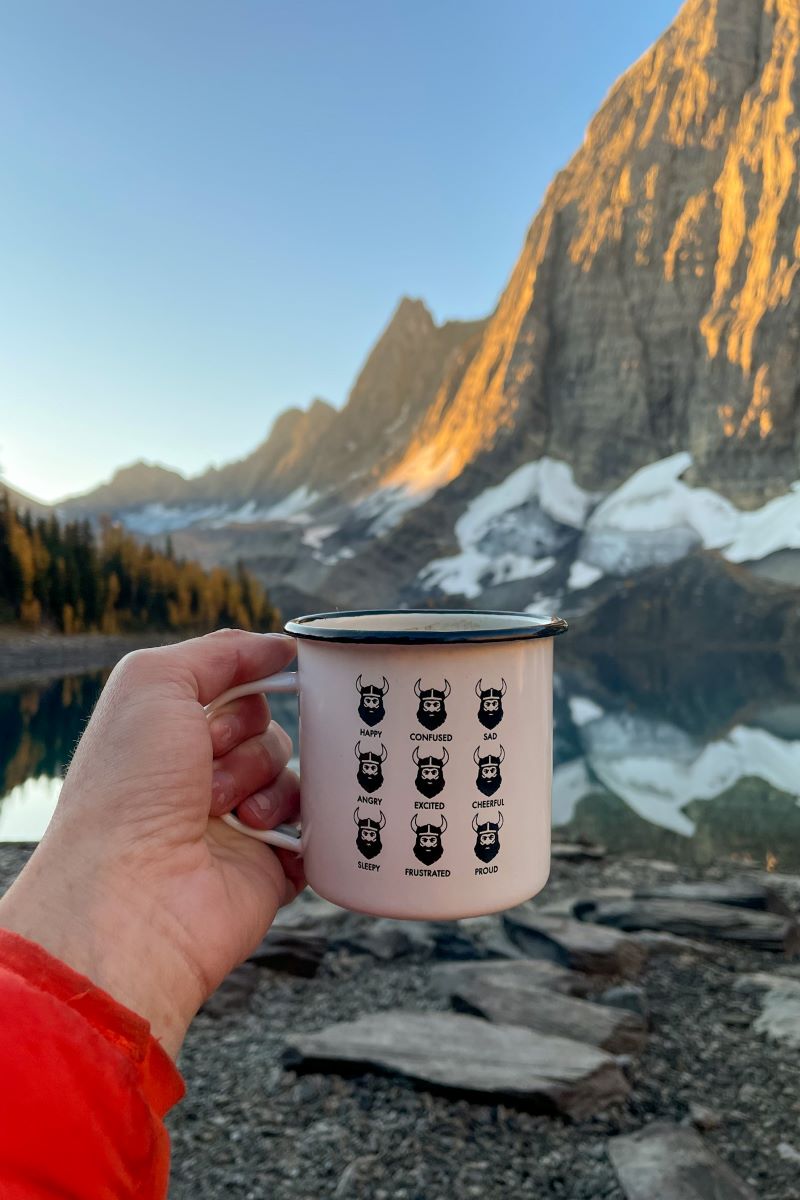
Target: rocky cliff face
column 654, row 307
column 632, row 399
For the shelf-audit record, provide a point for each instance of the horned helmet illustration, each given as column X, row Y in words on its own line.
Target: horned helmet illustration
column 430, row 772
column 431, row 711
column 370, row 703
column 370, row 767
column 490, row 708
column 489, row 777
column 428, row 845
column 487, row 837
column 368, row 838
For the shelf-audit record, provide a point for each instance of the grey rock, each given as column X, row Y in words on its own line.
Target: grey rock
column 524, row 973
column 575, row 944
column 467, row 1055
column 669, row 943
column 387, row 939
column 779, row 1018
column 704, row 1118
column 671, row 1162
column 783, row 882
column 297, row 951
column 509, row 998
column 693, row 918
column 740, row 893
column 350, row 1178
column 628, row 996
column 576, row 906
column 233, row 994
column 300, row 935
column 575, row 851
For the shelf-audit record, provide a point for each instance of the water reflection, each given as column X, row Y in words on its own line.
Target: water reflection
column 690, row 758
column 39, row 727
column 687, row 756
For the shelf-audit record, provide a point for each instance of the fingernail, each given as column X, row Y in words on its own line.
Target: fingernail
column 227, row 729
column 221, row 786
column 263, row 805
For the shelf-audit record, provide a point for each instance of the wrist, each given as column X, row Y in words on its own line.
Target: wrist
column 101, row 936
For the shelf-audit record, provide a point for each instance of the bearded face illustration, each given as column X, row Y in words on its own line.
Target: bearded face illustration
column 428, row 844
column 368, row 837
column 370, row 768
column 490, row 707
column 370, row 704
column 487, row 837
column 489, row 778
column 431, row 711
column 430, row 774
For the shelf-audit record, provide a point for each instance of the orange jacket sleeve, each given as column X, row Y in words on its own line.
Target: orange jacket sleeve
column 83, row 1087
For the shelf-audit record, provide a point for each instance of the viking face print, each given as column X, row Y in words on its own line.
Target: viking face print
column 368, row 838
column 370, row 704
column 370, row 767
column 430, row 772
column 431, row 711
column 489, row 777
column 490, row 707
column 428, row 845
column 487, row 837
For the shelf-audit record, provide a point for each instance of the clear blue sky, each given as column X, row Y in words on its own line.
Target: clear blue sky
column 209, row 210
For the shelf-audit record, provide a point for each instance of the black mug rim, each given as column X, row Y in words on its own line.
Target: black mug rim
column 529, row 627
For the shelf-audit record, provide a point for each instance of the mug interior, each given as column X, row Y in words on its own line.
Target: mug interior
column 424, row 625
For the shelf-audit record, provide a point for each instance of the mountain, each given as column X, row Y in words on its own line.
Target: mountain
column 312, row 452
column 632, row 400
column 23, row 502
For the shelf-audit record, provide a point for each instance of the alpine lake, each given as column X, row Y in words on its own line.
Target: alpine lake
column 693, row 758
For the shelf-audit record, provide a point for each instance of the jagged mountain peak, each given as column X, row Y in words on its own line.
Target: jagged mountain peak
column 648, row 309
column 137, row 483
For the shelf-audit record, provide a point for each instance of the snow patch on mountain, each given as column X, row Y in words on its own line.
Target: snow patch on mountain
column 512, row 531
column 156, row 518
column 293, row 506
column 582, row 575
column 467, row 574
column 655, row 518
column 776, row 526
column 386, row 508
column 315, row 535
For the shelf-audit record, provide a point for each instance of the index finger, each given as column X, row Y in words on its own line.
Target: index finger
column 221, row 660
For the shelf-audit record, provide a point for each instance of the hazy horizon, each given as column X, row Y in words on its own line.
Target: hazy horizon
column 211, row 212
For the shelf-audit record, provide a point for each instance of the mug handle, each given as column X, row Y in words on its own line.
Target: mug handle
column 285, row 837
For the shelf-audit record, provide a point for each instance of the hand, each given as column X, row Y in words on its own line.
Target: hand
column 132, row 884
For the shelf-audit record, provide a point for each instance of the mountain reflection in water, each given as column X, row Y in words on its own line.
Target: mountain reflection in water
column 691, row 758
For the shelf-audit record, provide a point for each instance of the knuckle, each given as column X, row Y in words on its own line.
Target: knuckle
column 224, row 635
column 135, row 663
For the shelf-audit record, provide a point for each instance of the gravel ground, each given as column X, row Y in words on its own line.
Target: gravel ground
column 249, row 1129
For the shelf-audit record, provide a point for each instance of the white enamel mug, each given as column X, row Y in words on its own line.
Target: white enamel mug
column 425, row 759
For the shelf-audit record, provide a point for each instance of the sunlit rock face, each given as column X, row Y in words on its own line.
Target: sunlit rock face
column 654, row 307
column 631, row 402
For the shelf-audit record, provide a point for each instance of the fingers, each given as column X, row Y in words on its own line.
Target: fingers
column 236, row 722
column 210, row 665
column 248, row 768
column 294, row 874
column 274, row 804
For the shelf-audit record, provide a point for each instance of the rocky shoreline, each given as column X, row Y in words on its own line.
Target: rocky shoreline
column 290, row 1094
column 26, row 657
